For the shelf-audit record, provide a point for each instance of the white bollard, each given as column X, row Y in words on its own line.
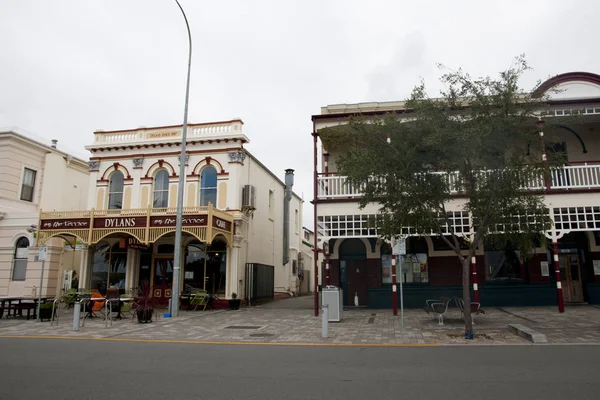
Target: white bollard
column 76, row 315
column 325, row 320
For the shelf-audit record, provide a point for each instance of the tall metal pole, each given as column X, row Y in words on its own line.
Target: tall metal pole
column 181, row 183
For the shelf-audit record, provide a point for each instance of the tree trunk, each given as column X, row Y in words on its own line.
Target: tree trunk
column 466, row 264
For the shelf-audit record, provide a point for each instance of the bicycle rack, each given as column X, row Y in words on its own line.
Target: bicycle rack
column 107, row 310
column 55, row 306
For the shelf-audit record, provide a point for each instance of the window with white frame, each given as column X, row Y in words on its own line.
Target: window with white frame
column 161, row 189
column 115, row 191
column 20, row 259
column 208, row 186
column 28, row 184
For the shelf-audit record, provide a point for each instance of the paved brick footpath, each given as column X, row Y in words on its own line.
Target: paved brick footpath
column 292, row 321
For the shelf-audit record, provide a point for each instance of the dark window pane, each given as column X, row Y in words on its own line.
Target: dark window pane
column 115, row 191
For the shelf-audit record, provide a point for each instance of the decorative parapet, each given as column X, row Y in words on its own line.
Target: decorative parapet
column 94, row 165
column 225, row 130
column 236, row 157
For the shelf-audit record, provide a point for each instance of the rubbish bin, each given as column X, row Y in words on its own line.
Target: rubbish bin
column 332, row 297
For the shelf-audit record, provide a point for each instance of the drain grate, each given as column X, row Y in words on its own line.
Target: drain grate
column 261, row 334
column 242, row 327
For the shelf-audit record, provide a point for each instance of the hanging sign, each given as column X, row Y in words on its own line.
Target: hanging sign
column 399, row 246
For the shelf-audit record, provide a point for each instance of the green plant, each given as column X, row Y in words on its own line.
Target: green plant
column 234, row 295
column 46, row 306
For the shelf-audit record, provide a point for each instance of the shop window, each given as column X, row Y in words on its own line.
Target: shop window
column 386, row 263
column 165, row 249
column 413, row 268
column 208, row 186
column 161, row 189
column 115, row 191
column 502, row 263
column 20, row 259
column 109, row 267
column 205, row 267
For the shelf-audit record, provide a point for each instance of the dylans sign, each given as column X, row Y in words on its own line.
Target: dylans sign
column 134, row 222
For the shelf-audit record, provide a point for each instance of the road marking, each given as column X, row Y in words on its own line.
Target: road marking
column 229, row 343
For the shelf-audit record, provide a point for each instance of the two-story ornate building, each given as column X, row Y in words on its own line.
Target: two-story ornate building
column 360, row 263
column 236, row 212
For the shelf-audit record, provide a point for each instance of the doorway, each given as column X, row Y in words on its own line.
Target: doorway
column 163, row 279
column 570, row 277
column 353, row 271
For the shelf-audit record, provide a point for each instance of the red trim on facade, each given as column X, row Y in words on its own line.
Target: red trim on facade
column 115, row 167
column 564, row 78
column 161, row 163
column 146, row 156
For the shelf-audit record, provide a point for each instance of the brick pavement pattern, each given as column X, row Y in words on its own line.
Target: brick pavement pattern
column 292, row 321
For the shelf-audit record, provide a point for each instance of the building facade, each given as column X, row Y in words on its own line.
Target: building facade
column 235, row 212
column 359, row 262
column 307, row 284
column 36, row 176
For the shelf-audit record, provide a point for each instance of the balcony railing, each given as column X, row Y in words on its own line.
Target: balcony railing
column 572, row 177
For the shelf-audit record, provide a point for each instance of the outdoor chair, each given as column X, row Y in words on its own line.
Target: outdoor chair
column 475, row 307
column 69, row 297
column 439, row 307
column 199, row 299
column 95, row 305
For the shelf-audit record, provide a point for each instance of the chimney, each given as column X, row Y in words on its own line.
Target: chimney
column 54, row 142
column 289, row 182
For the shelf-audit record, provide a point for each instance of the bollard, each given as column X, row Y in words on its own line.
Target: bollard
column 76, row 315
column 325, row 320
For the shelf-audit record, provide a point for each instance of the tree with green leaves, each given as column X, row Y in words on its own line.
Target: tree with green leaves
column 478, row 142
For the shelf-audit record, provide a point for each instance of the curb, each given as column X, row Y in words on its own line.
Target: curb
column 527, row 333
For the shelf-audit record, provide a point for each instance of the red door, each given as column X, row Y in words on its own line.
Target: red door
column 357, row 282
column 163, row 280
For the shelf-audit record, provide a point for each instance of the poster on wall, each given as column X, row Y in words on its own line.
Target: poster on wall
column 544, row 268
column 596, row 267
column 386, row 268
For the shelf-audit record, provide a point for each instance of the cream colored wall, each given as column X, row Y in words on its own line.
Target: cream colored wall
column 589, row 135
column 54, row 190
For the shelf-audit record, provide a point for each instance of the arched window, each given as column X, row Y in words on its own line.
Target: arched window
column 20, row 259
column 208, row 186
column 161, row 189
column 115, row 191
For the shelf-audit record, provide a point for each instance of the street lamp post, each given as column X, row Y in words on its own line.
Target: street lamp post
column 177, row 257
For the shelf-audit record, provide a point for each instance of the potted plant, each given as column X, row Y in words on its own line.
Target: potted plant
column 46, row 311
column 144, row 304
column 234, row 302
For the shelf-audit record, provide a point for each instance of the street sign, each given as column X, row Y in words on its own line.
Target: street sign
column 399, row 246
column 43, row 253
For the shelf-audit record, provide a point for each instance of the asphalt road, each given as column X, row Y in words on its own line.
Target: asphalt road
column 47, row 369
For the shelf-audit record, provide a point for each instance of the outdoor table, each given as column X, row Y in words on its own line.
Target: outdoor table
column 17, row 301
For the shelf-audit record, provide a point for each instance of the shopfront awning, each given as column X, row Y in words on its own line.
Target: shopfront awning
column 146, row 225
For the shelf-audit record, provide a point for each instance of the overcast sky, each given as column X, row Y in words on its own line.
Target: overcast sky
column 68, row 68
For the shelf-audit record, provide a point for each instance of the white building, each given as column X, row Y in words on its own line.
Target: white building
column 234, row 213
column 35, row 176
column 361, row 264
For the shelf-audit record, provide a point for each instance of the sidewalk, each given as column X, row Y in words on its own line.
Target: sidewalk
column 292, row 321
